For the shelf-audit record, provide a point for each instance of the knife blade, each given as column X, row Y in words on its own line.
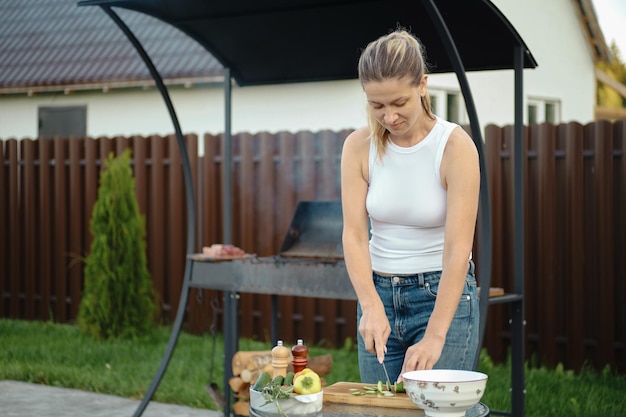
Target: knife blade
column 386, row 374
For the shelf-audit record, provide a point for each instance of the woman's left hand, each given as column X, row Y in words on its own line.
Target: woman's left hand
column 422, row 355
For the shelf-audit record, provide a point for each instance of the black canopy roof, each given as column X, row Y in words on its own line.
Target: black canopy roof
column 284, row 41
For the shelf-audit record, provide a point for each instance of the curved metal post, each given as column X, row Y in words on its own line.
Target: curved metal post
column 485, row 203
column 191, row 208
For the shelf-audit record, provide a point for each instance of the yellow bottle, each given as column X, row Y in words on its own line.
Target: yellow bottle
column 280, row 359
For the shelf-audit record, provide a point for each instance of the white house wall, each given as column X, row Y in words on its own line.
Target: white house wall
column 553, row 34
column 550, row 29
column 332, row 105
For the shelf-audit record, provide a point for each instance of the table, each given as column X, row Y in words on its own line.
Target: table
column 276, row 276
column 346, row 410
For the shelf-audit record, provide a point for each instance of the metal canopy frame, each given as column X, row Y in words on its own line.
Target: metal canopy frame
column 462, row 36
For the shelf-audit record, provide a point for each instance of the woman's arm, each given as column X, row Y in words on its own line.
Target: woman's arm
column 460, row 175
column 374, row 325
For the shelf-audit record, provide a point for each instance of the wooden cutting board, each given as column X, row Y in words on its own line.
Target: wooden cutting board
column 341, row 393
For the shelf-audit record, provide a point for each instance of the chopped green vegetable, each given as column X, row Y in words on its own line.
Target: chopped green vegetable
column 381, row 389
column 398, row 387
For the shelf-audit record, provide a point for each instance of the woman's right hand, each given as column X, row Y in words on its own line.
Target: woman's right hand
column 375, row 329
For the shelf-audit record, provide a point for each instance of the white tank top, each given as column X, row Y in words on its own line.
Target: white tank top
column 406, row 203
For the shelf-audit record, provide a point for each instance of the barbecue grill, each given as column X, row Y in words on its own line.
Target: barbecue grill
column 309, row 263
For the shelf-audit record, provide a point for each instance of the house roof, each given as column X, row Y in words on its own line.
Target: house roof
column 56, row 45
column 591, row 28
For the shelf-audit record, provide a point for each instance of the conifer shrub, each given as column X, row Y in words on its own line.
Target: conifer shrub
column 118, row 299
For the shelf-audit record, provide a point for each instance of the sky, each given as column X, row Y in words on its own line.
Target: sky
column 612, row 18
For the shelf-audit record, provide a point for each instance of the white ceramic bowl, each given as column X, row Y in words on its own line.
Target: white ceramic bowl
column 299, row 405
column 445, row 392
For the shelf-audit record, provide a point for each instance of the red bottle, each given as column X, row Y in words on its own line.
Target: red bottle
column 300, row 356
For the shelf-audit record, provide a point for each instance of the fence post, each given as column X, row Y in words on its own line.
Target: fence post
column 574, row 241
column 546, row 236
column 602, row 136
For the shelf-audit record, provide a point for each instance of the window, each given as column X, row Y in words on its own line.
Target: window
column 434, row 103
column 540, row 110
column 550, row 113
column 449, row 105
column 62, row 121
column 532, row 113
column 453, row 113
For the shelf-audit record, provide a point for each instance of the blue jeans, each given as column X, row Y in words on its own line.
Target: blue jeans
column 409, row 301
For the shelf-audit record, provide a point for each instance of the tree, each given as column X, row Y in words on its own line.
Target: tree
column 118, row 299
column 616, row 69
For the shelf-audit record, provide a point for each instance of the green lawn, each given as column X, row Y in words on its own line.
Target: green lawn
column 60, row 355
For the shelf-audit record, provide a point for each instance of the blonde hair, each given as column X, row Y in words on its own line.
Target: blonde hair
column 398, row 55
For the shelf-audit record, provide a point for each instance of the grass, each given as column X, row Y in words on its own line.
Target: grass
column 59, row 355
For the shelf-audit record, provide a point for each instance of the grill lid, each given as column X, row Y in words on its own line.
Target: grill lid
column 315, row 231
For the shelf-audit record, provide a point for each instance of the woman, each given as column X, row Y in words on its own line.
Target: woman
column 415, row 177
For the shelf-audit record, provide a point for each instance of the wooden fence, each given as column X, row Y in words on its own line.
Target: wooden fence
column 575, row 245
column 575, row 228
